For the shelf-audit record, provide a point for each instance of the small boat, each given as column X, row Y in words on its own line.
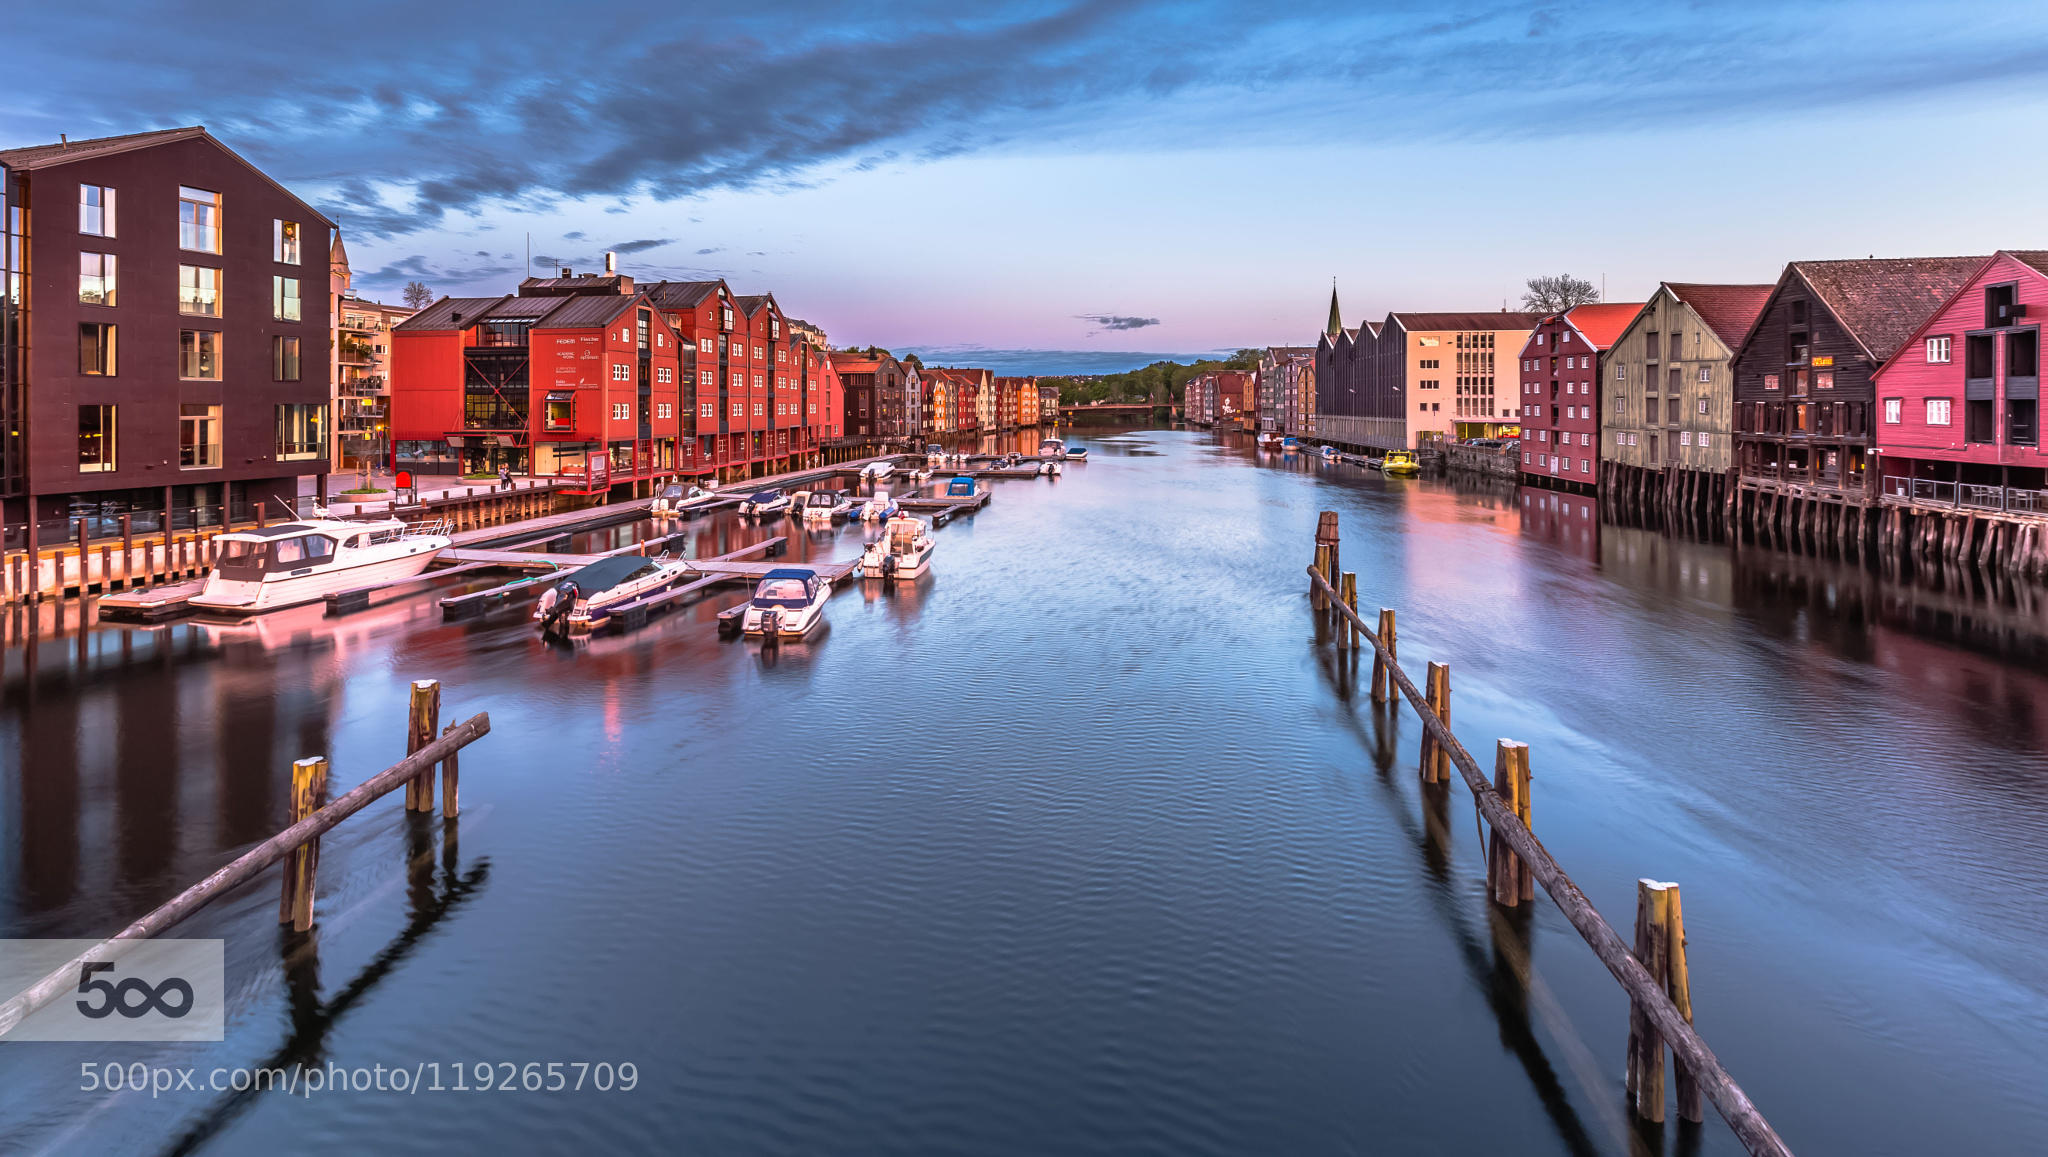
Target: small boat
column 675, row 499
column 584, row 596
column 878, row 507
column 295, row 563
column 827, row 506
column 765, row 502
column 1399, row 464
column 1269, row 440
column 903, row 550
column 1329, row 452
column 1049, row 466
column 962, row 487
column 1052, row 448
column 934, row 454
column 1289, row 444
column 1077, row 453
column 876, row 471
column 789, row 601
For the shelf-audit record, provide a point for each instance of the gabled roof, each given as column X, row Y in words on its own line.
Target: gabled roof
column 581, row 283
column 679, row 294
column 586, row 311
column 35, row 157
column 1472, row 321
column 1601, row 322
column 440, row 316
column 1728, row 310
column 1882, row 300
column 750, row 304
column 2036, row 259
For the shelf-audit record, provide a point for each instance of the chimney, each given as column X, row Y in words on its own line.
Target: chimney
column 611, row 262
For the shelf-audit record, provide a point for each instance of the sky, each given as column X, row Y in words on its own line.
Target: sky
column 1067, row 185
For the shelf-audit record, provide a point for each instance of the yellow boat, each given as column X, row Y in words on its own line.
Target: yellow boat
column 1400, row 463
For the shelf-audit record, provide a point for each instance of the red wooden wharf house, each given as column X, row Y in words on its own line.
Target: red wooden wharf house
column 1561, row 373
column 1959, row 418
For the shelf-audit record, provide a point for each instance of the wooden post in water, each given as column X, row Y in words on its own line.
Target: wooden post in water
column 1315, row 594
column 1508, row 879
column 1383, row 679
column 1645, row 1046
column 302, row 864
column 1349, row 629
column 127, row 552
column 1689, row 1106
column 1436, row 762
column 1326, row 535
column 423, row 722
column 450, row 805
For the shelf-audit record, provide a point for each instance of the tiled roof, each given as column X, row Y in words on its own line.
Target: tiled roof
column 1728, row 310
column 679, row 294
column 2037, row 259
column 42, row 156
column 854, row 362
column 1882, row 300
column 1602, row 322
column 1477, row 320
column 751, row 303
column 441, row 314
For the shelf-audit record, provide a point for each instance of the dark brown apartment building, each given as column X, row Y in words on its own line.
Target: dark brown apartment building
column 164, row 336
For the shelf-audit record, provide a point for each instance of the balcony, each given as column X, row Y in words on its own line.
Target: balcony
column 1967, row 495
column 370, row 387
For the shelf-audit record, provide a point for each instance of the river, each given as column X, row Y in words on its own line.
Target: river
column 1083, row 843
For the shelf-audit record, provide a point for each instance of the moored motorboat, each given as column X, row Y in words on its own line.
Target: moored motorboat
column 676, row 499
column 1329, row 451
column 1052, row 448
column 1049, row 466
column 299, row 562
column 1289, row 444
column 584, row 597
column 827, row 506
column 962, row 486
column 878, row 507
column 902, row 550
column 1268, row 440
column 1077, row 453
column 765, row 502
column 876, row 471
column 1400, row 464
column 789, row 601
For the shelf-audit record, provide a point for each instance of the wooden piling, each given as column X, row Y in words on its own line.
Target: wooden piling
column 1680, row 987
column 1382, row 679
column 1436, row 763
column 1315, row 594
column 1508, row 879
column 302, row 864
column 1645, row 1045
column 423, row 721
column 451, row 805
column 1348, row 630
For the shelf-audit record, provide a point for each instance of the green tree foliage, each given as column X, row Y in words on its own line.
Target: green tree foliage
column 1160, row 383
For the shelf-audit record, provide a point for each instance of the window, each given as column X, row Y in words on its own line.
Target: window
column 301, row 431
column 95, row 438
column 664, row 375
column 707, row 410
column 284, row 242
column 1823, row 379
column 96, row 210
column 198, row 291
column 664, row 411
column 96, row 279
column 1585, row 465
column 1620, row 406
column 1706, row 374
column 1770, row 381
column 284, row 359
column 1977, row 354
column 758, row 381
column 199, row 355
column 1539, row 339
column 1685, row 437
column 1893, row 409
column 1938, row 350
column 1938, row 411
column 558, row 410
column 739, row 409
column 621, row 372
column 1564, row 338
column 198, row 220
column 760, row 409
column 96, row 349
column 2022, row 352
column 284, row 298
column 621, row 411
column 198, row 437
column 739, row 380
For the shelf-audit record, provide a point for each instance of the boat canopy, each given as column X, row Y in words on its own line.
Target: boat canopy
column 786, row 587
column 672, row 491
column 960, row 486
column 766, row 496
column 607, row 573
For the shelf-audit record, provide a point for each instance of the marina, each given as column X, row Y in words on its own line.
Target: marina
column 680, row 825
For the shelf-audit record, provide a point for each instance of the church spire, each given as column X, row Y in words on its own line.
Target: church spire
column 1336, row 320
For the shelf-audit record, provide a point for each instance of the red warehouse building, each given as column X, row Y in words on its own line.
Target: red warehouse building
column 1959, row 422
column 1561, row 371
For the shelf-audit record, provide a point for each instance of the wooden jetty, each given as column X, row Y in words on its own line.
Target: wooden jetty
column 943, row 508
column 717, row 571
column 1653, row 972
column 726, row 566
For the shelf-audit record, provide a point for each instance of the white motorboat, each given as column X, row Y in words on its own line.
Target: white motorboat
column 827, row 506
column 676, row 499
column 789, row 601
column 1050, row 467
column 876, row 471
column 1053, row 448
column 903, row 550
column 1077, row 453
column 765, row 502
column 584, row 597
column 299, row 562
column 878, row 507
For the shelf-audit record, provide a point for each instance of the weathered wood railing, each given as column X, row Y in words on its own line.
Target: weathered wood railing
column 1652, row 973
column 298, row 845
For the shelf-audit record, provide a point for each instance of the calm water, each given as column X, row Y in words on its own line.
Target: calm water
column 1083, row 843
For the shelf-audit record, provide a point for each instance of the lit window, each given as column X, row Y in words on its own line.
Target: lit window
column 96, row 210
column 96, row 349
column 95, row 438
column 96, row 279
column 1937, row 411
column 198, row 220
column 284, row 242
column 284, row 358
column 284, row 298
column 199, row 355
column 198, row 437
column 301, row 431
column 198, row 291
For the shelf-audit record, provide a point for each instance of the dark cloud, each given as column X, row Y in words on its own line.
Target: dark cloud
column 1111, row 321
column 576, row 236
column 700, row 253
column 642, row 246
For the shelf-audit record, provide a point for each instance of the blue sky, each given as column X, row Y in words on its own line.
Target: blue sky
column 1091, row 177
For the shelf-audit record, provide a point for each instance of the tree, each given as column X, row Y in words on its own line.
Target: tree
column 1557, row 294
column 417, row 295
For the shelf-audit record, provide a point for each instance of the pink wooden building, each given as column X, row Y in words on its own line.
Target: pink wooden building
column 1959, row 412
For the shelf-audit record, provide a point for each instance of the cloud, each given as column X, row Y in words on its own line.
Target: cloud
column 1111, row 321
column 576, row 236
column 709, row 252
column 642, row 246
